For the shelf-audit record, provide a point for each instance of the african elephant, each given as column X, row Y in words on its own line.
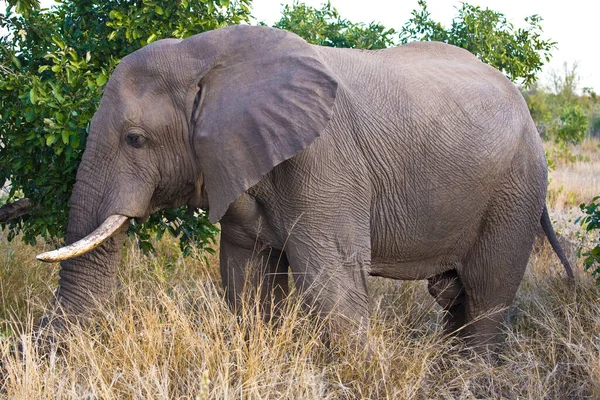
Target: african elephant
column 415, row 162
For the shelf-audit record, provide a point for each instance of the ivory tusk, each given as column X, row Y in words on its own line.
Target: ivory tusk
column 88, row 243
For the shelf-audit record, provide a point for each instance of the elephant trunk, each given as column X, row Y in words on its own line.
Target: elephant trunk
column 90, row 277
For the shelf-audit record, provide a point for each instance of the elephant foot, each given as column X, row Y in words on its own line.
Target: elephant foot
column 483, row 335
column 50, row 335
column 343, row 336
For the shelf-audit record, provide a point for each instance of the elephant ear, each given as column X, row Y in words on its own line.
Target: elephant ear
column 266, row 96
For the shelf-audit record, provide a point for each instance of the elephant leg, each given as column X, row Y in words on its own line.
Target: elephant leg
column 494, row 267
column 246, row 272
column 275, row 287
column 448, row 291
column 333, row 285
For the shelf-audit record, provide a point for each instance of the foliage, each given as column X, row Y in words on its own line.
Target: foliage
column 24, row 6
column 519, row 53
column 594, row 111
column 538, row 102
column 325, row 27
column 591, row 223
column 560, row 112
column 195, row 231
column 595, row 124
column 573, row 124
column 53, row 65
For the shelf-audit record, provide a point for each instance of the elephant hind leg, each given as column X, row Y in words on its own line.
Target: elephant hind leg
column 494, row 267
column 448, row 291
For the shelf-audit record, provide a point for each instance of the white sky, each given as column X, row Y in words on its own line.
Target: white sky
column 574, row 24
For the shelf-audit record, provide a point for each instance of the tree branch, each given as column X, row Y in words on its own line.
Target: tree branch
column 16, row 209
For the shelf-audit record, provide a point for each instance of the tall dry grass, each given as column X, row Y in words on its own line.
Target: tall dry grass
column 169, row 334
column 576, row 178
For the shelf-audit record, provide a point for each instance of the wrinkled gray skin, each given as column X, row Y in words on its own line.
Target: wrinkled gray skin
column 416, row 162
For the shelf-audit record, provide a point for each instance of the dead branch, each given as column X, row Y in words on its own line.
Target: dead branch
column 16, row 209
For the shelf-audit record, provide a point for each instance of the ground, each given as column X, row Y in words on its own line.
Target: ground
column 170, row 333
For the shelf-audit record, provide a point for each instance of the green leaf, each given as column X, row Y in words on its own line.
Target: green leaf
column 16, row 61
column 115, row 15
column 29, row 115
column 50, row 139
column 101, row 80
column 33, row 96
column 151, row 38
column 59, row 42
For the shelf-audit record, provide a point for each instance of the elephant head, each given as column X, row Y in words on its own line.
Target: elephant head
column 195, row 121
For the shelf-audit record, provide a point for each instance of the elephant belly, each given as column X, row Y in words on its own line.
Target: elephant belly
column 412, row 242
column 412, row 270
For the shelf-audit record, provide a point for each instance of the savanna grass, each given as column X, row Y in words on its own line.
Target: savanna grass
column 575, row 180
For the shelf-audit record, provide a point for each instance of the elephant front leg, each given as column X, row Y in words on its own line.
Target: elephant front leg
column 254, row 272
column 333, row 285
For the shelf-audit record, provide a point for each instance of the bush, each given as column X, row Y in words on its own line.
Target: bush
column 572, row 127
column 591, row 223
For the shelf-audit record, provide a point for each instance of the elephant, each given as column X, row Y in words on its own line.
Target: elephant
column 418, row 162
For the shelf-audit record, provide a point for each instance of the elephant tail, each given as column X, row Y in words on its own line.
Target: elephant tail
column 551, row 235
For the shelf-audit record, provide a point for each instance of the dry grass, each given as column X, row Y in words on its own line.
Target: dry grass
column 170, row 334
column 576, row 178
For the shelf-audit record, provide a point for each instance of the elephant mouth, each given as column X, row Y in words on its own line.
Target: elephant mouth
column 110, row 225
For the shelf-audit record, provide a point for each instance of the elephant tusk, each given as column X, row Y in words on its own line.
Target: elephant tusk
column 88, row 243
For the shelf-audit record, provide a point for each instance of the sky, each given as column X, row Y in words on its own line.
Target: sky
column 573, row 24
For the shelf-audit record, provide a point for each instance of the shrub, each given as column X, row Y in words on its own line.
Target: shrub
column 573, row 124
column 591, row 223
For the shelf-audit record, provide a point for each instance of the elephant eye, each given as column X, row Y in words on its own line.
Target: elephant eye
column 135, row 140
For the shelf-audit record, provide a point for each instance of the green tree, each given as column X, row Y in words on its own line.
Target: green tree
column 53, row 66
column 325, row 27
column 519, row 53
